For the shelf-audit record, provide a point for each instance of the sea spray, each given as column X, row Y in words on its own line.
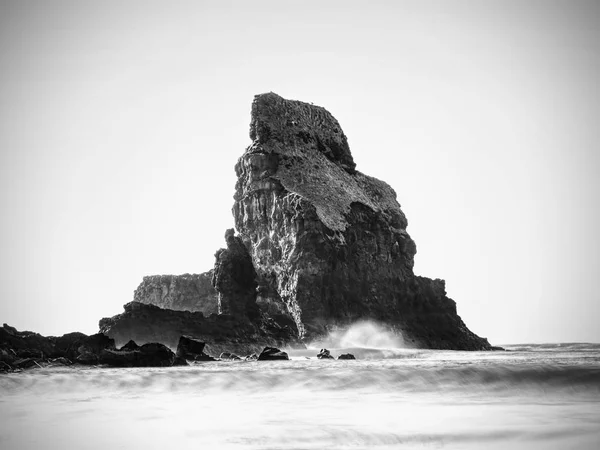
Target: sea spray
column 366, row 334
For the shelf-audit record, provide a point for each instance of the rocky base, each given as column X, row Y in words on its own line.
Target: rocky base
column 23, row 349
column 223, row 333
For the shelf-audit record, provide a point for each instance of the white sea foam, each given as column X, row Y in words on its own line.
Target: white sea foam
column 417, row 399
column 363, row 334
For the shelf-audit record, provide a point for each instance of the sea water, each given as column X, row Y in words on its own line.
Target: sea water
column 530, row 397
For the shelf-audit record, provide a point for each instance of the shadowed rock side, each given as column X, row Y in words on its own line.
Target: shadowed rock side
column 234, row 278
column 328, row 243
column 188, row 292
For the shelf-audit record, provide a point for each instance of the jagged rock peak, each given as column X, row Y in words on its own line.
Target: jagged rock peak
column 290, row 122
column 300, row 148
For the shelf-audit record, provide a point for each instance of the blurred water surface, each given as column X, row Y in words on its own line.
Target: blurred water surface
column 532, row 396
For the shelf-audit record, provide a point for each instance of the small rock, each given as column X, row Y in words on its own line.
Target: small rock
column 346, row 356
column 252, row 357
column 230, row 356
column 272, row 354
column 324, row 354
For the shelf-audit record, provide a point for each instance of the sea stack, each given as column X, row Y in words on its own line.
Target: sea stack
column 328, row 243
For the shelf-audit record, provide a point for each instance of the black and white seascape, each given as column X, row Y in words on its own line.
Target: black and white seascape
column 531, row 397
column 313, row 225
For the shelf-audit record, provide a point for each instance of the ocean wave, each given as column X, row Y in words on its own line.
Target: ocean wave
column 314, row 376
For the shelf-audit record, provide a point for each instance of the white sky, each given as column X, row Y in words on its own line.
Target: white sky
column 120, row 124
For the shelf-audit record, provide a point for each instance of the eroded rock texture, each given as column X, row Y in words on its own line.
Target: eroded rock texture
column 329, row 244
column 188, row 292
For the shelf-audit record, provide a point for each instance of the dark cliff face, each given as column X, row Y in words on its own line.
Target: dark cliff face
column 234, row 278
column 328, row 243
column 188, row 292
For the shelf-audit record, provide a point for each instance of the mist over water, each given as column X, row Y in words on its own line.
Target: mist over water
column 534, row 397
column 363, row 334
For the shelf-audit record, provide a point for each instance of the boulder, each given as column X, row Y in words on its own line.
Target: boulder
column 148, row 355
column 68, row 345
column 192, row 349
column 346, row 356
column 324, row 354
column 272, row 354
column 92, row 347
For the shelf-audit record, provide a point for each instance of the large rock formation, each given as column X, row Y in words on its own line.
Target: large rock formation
column 329, row 244
column 187, row 292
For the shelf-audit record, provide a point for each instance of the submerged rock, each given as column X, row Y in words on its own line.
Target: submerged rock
column 272, row 354
column 325, row 354
column 346, row 356
column 328, row 243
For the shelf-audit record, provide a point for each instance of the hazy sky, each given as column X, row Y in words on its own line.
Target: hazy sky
column 120, row 124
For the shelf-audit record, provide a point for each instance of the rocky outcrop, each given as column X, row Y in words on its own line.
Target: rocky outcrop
column 328, row 243
column 222, row 333
column 23, row 349
column 187, row 292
